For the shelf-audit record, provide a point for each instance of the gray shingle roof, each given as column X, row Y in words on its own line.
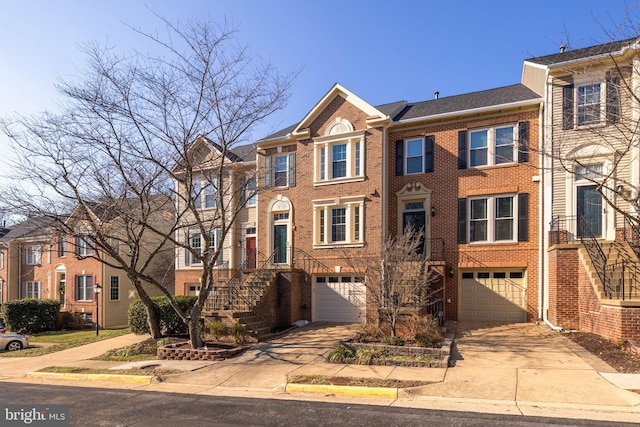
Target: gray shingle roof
column 571, row 55
column 245, row 153
column 468, row 101
column 32, row 227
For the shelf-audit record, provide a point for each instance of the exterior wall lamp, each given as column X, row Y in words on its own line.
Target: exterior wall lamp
column 433, row 211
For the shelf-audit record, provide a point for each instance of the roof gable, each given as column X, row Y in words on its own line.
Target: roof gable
column 335, row 91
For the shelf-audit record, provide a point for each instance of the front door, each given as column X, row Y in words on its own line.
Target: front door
column 280, row 243
column 250, row 250
column 416, row 222
column 590, row 208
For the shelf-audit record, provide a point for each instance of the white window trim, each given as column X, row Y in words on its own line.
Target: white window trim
column 601, row 80
column 33, row 255
column 351, row 139
column 406, row 155
column 35, row 285
column 491, row 219
column 75, row 284
column 111, row 288
column 326, row 205
column 491, row 145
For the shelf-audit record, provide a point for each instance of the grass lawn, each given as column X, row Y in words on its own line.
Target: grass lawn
column 78, row 370
column 50, row 342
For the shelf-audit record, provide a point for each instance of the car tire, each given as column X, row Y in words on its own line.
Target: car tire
column 13, row 346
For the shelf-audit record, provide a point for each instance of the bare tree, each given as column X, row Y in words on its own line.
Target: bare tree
column 131, row 130
column 399, row 278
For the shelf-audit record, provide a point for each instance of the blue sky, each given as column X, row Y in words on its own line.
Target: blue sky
column 383, row 51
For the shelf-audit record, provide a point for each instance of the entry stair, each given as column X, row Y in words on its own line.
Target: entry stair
column 614, row 271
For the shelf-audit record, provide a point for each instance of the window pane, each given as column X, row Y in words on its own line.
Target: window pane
column 479, row 209
column 339, row 160
column 414, row 156
column 504, row 145
column 479, row 139
column 478, row 153
column 357, row 159
column 504, row 229
column 280, row 171
column 322, row 163
column 504, row 218
column 338, row 224
column 504, row 207
column 478, row 230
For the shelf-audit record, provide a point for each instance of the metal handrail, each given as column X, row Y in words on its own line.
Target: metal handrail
column 595, row 252
column 632, row 235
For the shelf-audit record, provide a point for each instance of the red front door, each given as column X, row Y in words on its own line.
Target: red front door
column 250, row 252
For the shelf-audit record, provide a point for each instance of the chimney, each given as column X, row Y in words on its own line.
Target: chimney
column 436, row 94
column 562, row 48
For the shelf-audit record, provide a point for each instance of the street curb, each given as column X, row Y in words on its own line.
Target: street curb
column 137, row 379
column 344, row 390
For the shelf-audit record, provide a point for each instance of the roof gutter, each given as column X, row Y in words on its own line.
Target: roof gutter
column 458, row 113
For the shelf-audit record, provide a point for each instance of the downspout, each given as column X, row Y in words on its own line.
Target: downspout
column 541, row 231
column 547, row 172
column 385, row 198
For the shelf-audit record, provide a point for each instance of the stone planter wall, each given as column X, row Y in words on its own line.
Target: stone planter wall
column 183, row 351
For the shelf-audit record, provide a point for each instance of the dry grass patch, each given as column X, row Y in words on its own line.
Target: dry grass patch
column 352, row 381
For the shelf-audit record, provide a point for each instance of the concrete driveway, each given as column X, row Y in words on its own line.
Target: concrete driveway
column 525, row 362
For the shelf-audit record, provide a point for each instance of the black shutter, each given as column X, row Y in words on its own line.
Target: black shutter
column 267, row 172
column 523, row 142
column 399, row 157
column 462, row 220
column 462, row 149
column 613, row 99
column 523, row 217
column 292, row 170
column 567, row 107
column 429, row 145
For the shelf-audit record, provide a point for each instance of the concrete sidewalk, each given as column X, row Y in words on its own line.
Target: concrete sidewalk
column 523, row 369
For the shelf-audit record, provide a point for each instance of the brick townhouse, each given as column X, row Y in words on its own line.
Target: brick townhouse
column 41, row 262
column 349, row 174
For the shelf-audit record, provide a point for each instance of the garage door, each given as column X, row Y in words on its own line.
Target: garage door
column 338, row 299
column 493, row 295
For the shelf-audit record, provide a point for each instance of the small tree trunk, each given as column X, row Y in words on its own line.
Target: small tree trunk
column 152, row 315
column 194, row 327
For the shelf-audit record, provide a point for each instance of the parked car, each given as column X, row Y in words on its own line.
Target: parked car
column 13, row 342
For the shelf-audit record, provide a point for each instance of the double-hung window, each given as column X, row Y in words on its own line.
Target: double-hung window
column 31, row 289
column 415, row 155
column 339, row 158
column 83, row 246
column 114, row 288
column 591, row 102
column 205, row 194
column 33, row 255
column 250, row 191
column 492, row 146
column 196, row 242
column 338, row 222
column 497, row 218
column 84, row 288
column 280, row 170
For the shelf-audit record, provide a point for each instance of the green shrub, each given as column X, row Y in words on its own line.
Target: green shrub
column 170, row 322
column 428, row 339
column 340, row 354
column 217, row 329
column 27, row 316
column 239, row 332
column 366, row 355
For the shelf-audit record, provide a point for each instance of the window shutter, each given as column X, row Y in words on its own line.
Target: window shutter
column 292, row 169
column 567, row 107
column 23, row 289
column 243, row 190
column 462, row 149
column 523, row 142
column 462, row 220
column 74, row 289
column 95, row 282
column 523, row 217
column 399, row 157
column 429, row 147
column 267, row 172
column 218, row 234
column 613, row 99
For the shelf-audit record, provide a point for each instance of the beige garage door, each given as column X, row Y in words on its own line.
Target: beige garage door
column 493, row 295
column 338, row 299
